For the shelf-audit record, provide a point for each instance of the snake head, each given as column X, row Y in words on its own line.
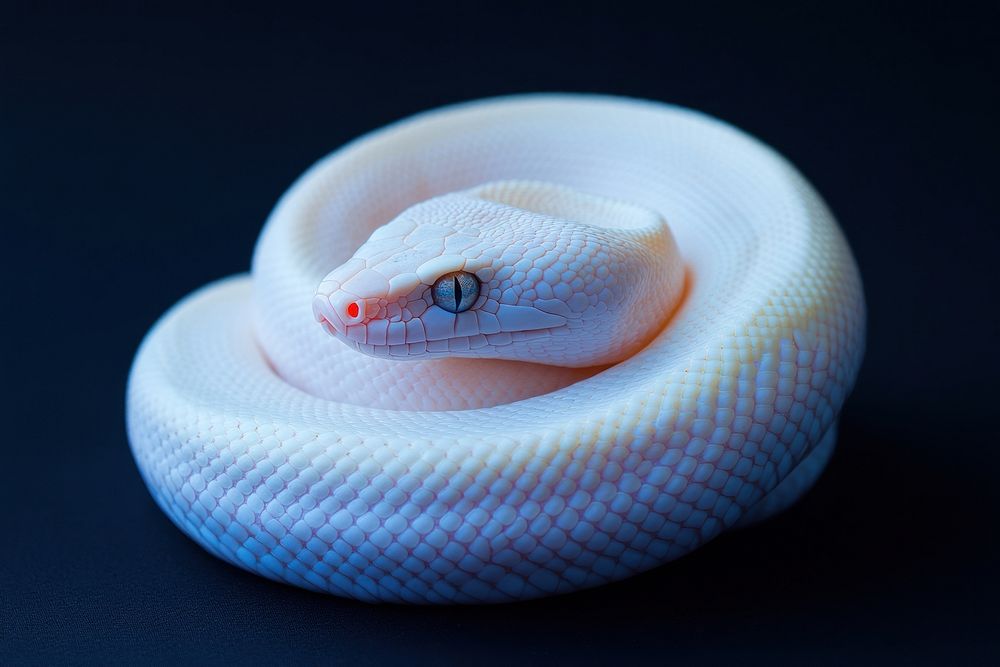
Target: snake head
column 514, row 270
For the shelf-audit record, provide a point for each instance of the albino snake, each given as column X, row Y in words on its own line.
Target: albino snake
column 543, row 387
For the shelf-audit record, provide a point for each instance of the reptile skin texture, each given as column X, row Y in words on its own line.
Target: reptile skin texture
column 382, row 464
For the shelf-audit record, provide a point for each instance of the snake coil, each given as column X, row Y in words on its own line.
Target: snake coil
column 453, row 480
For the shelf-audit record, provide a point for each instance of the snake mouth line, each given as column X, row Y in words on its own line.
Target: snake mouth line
column 461, row 345
column 327, row 325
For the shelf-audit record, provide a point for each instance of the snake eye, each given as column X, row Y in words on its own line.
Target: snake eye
column 456, row 291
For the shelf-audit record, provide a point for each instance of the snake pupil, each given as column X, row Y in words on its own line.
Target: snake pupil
column 456, row 292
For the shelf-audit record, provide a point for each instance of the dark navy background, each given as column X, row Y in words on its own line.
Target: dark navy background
column 141, row 151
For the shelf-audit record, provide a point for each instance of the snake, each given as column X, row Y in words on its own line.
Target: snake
column 506, row 349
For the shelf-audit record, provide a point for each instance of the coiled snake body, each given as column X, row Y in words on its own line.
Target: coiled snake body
column 534, row 383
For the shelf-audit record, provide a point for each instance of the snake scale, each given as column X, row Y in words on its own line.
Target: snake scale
column 506, row 349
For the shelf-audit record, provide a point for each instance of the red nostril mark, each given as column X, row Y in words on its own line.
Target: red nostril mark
column 352, row 309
